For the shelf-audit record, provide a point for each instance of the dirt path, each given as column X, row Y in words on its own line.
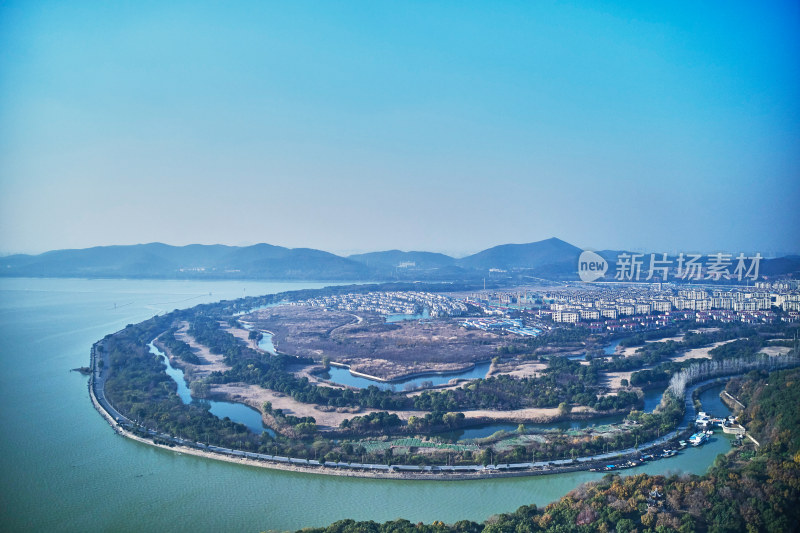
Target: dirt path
column 210, row 362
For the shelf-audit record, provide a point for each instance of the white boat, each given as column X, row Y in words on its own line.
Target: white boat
column 698, row 438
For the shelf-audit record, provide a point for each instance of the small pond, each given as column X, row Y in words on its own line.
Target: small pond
column 343, row 376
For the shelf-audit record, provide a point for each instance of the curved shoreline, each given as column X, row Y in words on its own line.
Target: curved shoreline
column 122, row 425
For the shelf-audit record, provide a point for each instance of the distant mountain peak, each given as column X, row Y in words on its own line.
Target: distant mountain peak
column 529, row 255
column 551, row 258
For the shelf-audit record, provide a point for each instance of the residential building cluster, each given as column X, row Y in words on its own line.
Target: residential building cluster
column 635, row 307
column 392, row 303
column 663, row 305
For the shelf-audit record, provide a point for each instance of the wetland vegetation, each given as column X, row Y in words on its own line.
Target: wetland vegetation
column 319, row 420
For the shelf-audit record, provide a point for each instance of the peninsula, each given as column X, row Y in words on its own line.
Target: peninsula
column 503, row 422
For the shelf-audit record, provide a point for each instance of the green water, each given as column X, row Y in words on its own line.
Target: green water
column 64, row 469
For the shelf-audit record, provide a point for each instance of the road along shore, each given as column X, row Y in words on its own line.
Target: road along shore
column 124, row 427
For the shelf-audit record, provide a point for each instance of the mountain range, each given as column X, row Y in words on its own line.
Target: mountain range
column 551, row 259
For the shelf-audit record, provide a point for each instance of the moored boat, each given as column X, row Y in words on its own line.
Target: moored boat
column 698, row 438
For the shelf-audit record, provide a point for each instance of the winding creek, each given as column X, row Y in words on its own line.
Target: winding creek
column 234, row 411
column 65, row 469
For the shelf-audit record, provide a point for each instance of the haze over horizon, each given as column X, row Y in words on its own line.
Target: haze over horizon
column 438, row 127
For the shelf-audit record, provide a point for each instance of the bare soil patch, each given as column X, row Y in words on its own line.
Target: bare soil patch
column 628, row 351
column 327, row 418
column 243, row 335
column 700, row 353
column 330, row 418
column 704, row 330
column 775, row 350
column 371, row 346
column 677, row 338
column 518, row 369
column 533, row 415
column 612, row 380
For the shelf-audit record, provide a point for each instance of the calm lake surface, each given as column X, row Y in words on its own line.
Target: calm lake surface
column 64, row 469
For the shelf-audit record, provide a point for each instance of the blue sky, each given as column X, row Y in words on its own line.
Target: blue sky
column 443, row 126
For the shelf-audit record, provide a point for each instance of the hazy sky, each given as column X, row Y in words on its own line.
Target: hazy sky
column 444, row 126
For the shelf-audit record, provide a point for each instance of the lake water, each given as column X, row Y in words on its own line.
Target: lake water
column 712, row 403
column 64, row 469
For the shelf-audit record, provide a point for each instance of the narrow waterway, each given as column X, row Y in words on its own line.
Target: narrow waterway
column 237, row 412
column 266, row 343
column 343, row 376
column 713, row 404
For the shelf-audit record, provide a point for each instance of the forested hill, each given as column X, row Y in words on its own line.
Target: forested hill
column 550, row 259
column 156, row 260
column 265, row 261
column 750, row 490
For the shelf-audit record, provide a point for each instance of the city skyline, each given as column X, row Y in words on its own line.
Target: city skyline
column 363, row 127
